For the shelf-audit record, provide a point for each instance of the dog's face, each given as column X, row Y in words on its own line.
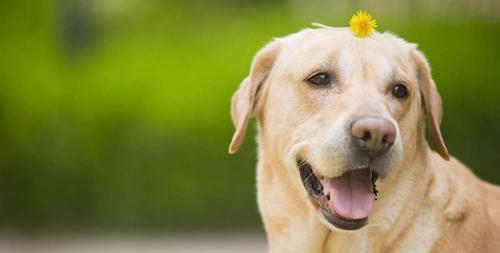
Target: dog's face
column 340, row 112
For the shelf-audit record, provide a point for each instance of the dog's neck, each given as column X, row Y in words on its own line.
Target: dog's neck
column 392, row 220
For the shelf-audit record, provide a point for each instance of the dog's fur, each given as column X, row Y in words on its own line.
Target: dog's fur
column 427, row 202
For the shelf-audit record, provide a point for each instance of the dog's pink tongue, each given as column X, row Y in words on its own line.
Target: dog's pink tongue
column 351, row 195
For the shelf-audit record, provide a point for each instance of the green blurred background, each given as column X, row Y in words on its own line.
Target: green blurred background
column 114, row 114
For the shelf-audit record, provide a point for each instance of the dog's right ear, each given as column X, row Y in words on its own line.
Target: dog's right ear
column 245, row 99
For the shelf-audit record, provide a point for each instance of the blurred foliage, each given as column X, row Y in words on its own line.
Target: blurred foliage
column 115, row 114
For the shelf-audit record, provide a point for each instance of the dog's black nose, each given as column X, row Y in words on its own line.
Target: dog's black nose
column 373, row 134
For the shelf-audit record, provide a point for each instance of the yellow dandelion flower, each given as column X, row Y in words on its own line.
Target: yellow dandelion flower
column 362, row 24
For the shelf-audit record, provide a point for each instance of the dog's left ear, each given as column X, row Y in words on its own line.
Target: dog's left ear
column 431, row 101
column 246, row 98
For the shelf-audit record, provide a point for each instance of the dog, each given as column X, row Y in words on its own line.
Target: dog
column 343, row 161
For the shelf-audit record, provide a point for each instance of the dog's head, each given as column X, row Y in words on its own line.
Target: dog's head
column 340, row 112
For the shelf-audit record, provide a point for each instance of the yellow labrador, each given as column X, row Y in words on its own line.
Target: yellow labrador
column 343, row 163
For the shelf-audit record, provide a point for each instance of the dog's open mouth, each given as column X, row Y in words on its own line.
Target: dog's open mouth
column 346, row 200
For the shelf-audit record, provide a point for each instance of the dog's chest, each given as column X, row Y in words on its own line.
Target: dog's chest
column 419, row 237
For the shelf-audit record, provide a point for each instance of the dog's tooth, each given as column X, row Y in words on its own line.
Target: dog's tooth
column 323, row 201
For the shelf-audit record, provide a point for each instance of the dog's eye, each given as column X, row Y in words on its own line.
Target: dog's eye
column 320, row 79
column 399, row 91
